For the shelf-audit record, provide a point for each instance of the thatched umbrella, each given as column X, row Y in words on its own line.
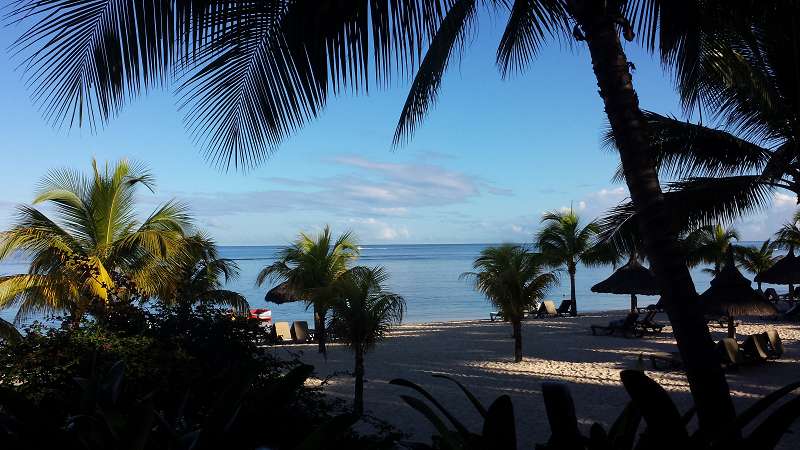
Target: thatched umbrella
column 281, row 294
column 632, row 279
column 785, row 271
column 730, row 295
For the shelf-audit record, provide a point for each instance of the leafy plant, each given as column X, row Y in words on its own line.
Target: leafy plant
column 651, row 409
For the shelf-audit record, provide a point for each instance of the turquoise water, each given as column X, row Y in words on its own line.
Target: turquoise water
column 426, row 275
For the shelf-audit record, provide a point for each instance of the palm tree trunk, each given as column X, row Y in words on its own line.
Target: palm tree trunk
column 633, row 303
column 574, row 310
column 517, row 324
column 791, row 292
column 319, row 328
column 358, row 396
column 706, row 378
column 731, row 327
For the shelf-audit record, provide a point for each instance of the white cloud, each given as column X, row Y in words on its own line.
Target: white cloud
column 370, row 229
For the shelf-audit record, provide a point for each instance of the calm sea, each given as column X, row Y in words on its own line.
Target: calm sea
column 426, row 275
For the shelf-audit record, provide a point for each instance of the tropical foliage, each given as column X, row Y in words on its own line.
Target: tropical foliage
column 363, row 312
column 178, row 379
column 709, row 245
column 565, row 242
column 788, row 236
column 514, row 280
column 664, row 426
column 757, row 260
column 200, row 275
column 95, row 249
column 311, row 267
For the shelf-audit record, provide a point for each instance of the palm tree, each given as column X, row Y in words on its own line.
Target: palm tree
column 94, row 240
column 564, row 242
column 363, row 312
column 757, row 260
column 709, row 245
column 310, row 267
column 202, row 274
column 514, row 280
column 257, row 71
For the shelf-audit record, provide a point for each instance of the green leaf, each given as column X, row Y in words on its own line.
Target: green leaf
column 444, row 433
column 458, row 425
column 664, row 422
column 499, row 428
column 322, row 436
column 769, row 432
column 474, row 400
column 561, row 414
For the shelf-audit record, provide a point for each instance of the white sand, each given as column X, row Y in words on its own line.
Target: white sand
column 480, row 355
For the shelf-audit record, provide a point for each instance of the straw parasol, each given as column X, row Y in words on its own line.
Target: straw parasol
column 730, row 295
column 632, row 278
column 281, row 294
column 785, row 271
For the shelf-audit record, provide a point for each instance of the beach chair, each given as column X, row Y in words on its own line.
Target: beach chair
column 282, row 332
column 730, row 353
column 754, row 349
column 774, row 343
column 565, row 308
column 300, row 331
column 666, row 360
column 626, row 327
column 648, row 324
column 547, row 308
column 497, row 315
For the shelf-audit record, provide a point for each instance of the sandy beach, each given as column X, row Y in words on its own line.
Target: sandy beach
column 479, row 354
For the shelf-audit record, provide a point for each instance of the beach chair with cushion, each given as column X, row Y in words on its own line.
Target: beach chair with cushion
column 547, row 308
column 282, row 332
column 730, row 353
column 565, row 308
column 626, row 327
column 648, row 324
column 300, row 331
column 774, row 343
column 666, row 360
column 754, row 349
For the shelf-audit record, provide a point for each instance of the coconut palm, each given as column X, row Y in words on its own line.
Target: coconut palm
column 362, row 313
column 514, row 280
column 94, row 240
column 709, row 245
column 565, row 242
column 757, row 260
column 310, row 267
column 201, row 275
column 255, row 72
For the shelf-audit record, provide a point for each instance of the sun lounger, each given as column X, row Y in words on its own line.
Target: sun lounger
column 300, row 331
column 754, row 349
column 774, row 343
column 666, row 361
column 729, row 352
column 497, row 315
column 648, row 324
column 282, row 332
column 547, row 308
column 626, row 327
column 565, row 308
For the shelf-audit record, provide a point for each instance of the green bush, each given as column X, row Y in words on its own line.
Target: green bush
column 163, row 378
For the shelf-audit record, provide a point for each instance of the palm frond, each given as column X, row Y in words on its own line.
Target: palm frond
column 8, row 332
column 530, row 23
column 450, row 36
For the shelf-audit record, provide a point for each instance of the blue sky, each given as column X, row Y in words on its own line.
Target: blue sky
column 491, row 157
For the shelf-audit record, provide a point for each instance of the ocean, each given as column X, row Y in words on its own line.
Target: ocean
column 426, row 275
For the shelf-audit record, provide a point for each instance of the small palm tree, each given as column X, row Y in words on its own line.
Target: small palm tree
column 757, row 260
column 202, row 274
column 93, row 240
column 310, row 267
column 565, row 243
column 514, row 280
column 363, row 313
column 709, row 245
